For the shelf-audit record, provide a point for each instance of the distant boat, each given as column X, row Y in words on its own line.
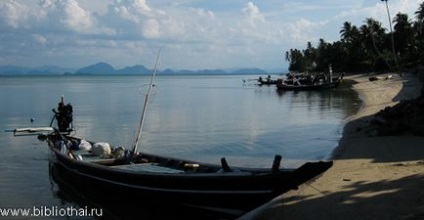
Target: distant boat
column 266, row 81
column 305, row 84
column 306, row 87
column 133, row 175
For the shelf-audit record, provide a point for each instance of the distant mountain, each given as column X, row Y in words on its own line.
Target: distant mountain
column 181, row 72
column 13, row 70
column 138, row 69
column 168, row 71
column 96, row 69
column 249, row 71
column 215, row 71
column 43, row 70
column 50, row 70
column 199, row 72
column 103, row 68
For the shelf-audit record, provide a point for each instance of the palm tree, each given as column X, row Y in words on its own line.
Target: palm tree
column 353, row 52
column 345, row 32
column 403, row 32
column 420, row 13
column 391, row 33
column 296, row 59
column 373, row 35
column 310, row 56
column 419, row 33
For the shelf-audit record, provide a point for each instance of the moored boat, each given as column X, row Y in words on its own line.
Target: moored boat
column 310, row 82
column 267, row 81
column 176, row 181
column 281, row 85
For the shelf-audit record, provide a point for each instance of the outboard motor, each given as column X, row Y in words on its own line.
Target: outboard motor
column 64, row 116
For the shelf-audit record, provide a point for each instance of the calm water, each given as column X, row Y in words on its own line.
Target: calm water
column 193, row 117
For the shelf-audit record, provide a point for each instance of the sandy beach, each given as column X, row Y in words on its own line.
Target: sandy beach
column 373, row 177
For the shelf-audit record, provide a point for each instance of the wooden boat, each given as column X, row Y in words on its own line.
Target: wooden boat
column 267, row 81
column 297, row 86
column 88, row 195
column 175, row 181
column 309, row 82
column 127, row 174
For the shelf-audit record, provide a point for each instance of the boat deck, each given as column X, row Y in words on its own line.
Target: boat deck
column 148, row 167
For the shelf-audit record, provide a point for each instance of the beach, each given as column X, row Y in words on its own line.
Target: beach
column 373, row 177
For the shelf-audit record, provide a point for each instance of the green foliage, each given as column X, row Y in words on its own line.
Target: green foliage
column 367, row 48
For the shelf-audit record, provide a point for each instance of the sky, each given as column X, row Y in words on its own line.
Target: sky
column 193, row 34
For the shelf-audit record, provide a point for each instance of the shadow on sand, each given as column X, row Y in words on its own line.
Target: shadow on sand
column 358, row 200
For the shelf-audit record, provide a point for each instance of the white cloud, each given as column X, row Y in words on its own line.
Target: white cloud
column 131, row 19
column 76, row 17
column 253, row 13
column 151, row 29
column 60, row 16
column 194, row 34
column 141, row 4
column 12, row 13
column 301, row 30
column 39, row 39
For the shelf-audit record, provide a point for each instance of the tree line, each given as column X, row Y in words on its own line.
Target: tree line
column 368, row 48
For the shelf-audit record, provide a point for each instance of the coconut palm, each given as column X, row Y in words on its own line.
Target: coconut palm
column 420, row 13
column 402, row 32
column 419, row 34
column 351, row 46
column 391, row 33
column 373, row 35
column 346, row 31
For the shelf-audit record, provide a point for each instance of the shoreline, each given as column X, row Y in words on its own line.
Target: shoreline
column 373, row 177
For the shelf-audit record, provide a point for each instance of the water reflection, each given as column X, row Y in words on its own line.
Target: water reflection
column 325, row 101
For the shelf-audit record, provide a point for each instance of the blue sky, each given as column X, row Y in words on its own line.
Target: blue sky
column 193, row 34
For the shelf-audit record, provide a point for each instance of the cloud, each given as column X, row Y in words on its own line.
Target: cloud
column 39, row 39
column 300, row 30
column 141, row 4
column 253, row 13
column 151, row 28
column 12, row 13
column 131, row 19
column 194, row 34
column 65, row 15
column 131, row 10
column 75, row 17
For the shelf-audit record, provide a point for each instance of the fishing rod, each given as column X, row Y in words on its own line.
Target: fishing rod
column 146, row 100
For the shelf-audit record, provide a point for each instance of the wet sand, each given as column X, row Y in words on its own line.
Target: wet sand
column 372, row 177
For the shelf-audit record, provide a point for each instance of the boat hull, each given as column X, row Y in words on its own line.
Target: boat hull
column 307, row 85
column 117, row 204
column 236, row 192
column 323, row 86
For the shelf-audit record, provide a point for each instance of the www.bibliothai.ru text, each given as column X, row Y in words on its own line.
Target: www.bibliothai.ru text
column 51, row 211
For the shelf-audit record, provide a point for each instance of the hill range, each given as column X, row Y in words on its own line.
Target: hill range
column 103, row 68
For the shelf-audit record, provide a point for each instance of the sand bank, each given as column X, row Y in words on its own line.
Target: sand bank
column 372, row 177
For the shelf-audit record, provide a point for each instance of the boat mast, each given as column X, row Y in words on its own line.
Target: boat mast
column 146, row 100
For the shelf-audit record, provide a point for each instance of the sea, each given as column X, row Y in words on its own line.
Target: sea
column 195, row 117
